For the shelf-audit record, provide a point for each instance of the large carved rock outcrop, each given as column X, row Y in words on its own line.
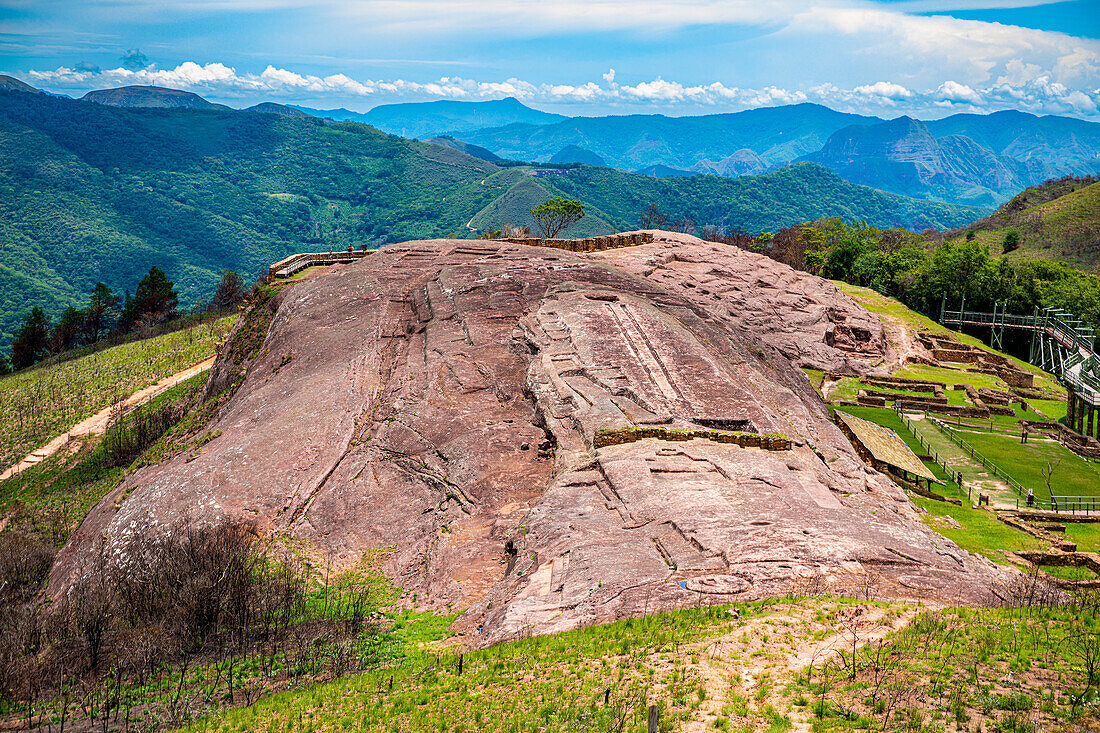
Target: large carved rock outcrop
column 441, row 399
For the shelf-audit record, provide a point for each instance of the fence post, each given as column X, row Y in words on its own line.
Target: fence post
column 652, row 719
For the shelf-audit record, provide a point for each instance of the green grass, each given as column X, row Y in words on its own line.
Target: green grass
column 1087, row 536
column 50, row 499
column 1053, row 410
column 953, row 664
column 979, row 529
column 44, row 402
column 1073, row 476
column 816, row 377
column 546, row 683
column 1068, row 572
column 965, row 669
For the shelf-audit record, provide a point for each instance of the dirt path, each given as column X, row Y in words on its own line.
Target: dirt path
column 97, row 423
column 747, row 664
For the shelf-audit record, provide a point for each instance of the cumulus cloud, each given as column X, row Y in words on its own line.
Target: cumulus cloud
column 952, row 91
column 884, row 89
column 1022, row 87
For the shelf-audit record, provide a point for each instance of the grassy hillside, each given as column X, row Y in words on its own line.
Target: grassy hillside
column 1059, row 220
column 90, row 192
column 773, row 667
column 523, row 192
column 44, row 402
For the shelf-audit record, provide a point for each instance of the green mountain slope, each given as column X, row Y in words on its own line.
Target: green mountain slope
column 766, row 202
column 93, row 192
column 523, row 192
column 1058, row 220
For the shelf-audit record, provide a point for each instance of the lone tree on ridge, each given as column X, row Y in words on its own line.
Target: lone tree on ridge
column 556, row 215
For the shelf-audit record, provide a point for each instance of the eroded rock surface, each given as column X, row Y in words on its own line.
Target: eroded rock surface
column 440, row 399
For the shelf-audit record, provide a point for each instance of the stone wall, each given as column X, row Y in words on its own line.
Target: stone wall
column 960, row 410
column 617, row 436
column 588, row 244
column 909, row 385
column 1082, row 445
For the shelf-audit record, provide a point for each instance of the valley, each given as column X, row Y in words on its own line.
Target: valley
column 96, row 192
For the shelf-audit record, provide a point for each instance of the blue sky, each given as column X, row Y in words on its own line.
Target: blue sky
column 926, row 58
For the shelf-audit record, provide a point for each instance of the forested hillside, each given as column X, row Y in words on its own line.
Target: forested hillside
column 90, row 192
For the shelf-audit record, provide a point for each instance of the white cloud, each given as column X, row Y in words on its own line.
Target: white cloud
column 952, row 91
column 1024, row 86
column 884, row 89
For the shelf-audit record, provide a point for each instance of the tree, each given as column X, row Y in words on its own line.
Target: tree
column 653, row 218
column 101, row 312
column 128, row 316
column 67, row 331
column 32, row 340
column 556, row 215
column 155, row 299
column 230, row 290
column 1011, row 241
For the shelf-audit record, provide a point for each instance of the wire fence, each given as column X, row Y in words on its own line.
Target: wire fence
column 1053, row 502
column 925, row 446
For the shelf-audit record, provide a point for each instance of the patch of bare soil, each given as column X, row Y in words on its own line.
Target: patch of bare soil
column 747, row 671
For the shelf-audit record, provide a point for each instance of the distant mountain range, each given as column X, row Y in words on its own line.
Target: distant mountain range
column 945, row 160
column 94, row 191
column 778, row 135
column 971, row 159
column 979, row 160
column 420, row 120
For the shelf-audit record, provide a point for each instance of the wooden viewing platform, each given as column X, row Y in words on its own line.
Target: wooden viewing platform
column 294, row 264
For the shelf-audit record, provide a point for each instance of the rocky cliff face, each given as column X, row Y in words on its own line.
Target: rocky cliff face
column 903, row 156
column 441, row 400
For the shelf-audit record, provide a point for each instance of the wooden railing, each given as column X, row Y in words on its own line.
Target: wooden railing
column 296, row 263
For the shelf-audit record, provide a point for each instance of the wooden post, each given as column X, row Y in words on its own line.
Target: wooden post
column 652, row 728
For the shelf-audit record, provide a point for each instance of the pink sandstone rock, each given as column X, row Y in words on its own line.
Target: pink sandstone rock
column 425, row 378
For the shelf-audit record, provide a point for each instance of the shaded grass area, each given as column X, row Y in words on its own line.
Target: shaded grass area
column 816, row 377
column 50, row 500
column 42, row 403
column 975, row 530
column 546, row 683
column 1025, row 462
